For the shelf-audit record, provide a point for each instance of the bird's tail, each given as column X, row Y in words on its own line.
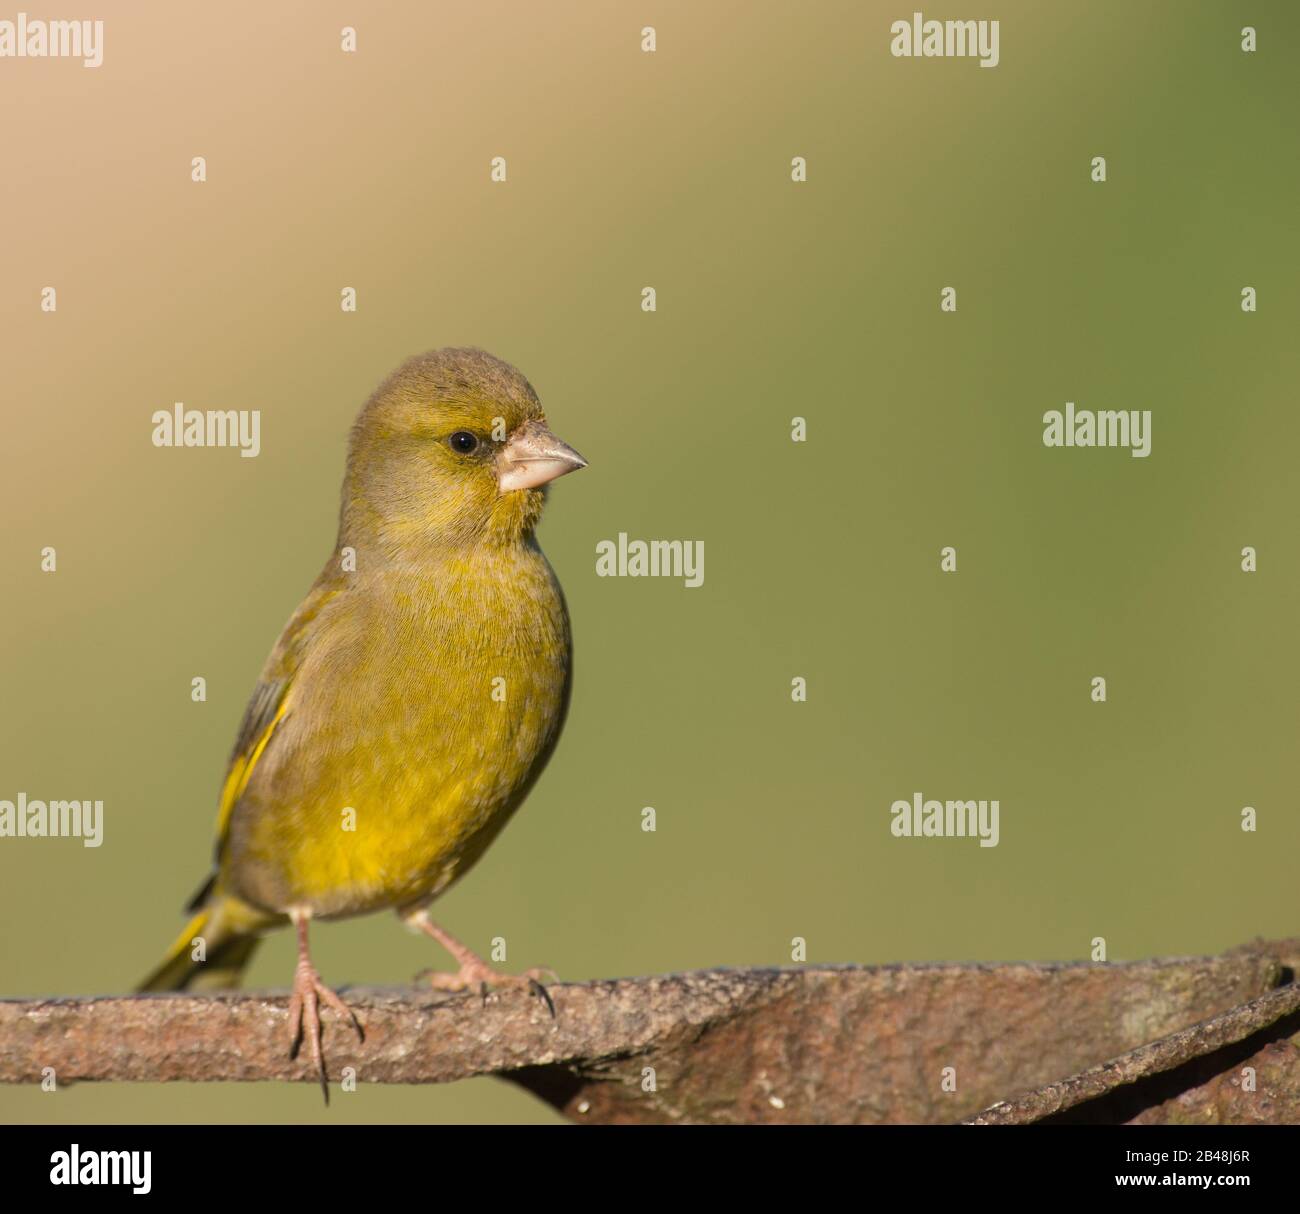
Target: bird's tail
column 213, row 950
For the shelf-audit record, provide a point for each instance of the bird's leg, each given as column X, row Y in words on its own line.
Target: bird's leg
column 304, row 1007
column 474, row 971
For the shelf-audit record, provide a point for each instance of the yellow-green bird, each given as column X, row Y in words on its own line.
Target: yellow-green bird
column 414, row 696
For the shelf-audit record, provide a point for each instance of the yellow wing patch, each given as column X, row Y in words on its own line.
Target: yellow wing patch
column 241, row 771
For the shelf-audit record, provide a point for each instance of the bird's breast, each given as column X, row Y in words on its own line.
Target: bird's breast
column 412, row 733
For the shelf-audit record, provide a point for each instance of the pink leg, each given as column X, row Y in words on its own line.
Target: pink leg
column 304, row 1007
column 474, row 971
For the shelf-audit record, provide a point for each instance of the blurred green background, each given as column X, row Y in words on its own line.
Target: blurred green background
column 775, row 300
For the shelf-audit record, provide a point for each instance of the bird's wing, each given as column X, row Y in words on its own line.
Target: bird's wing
column 268, row 706
column 266, row 709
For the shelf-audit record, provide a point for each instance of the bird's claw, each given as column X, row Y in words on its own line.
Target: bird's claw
column 480, row 977
column 538, row 989
column 304, row 1017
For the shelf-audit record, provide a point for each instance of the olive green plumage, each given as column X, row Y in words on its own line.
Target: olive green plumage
column 417, row 692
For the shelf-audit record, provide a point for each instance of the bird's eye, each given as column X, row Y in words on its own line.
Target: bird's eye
column 463, row 441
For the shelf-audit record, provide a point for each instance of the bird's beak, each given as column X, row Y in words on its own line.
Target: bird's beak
column 532, row 456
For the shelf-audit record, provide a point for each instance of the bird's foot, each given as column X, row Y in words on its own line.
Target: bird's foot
column 304, row 1016
column 477, row 974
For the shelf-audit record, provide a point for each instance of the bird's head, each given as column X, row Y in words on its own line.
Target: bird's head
column 452, row 448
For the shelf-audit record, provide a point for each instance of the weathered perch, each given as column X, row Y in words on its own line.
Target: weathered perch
column 1163, row 1040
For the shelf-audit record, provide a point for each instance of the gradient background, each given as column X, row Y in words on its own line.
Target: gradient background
column 822, row 559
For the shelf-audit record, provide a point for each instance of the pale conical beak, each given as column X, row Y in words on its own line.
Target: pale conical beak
column 532, row 456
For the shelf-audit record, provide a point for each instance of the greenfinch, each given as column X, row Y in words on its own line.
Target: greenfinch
column 412, row 699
